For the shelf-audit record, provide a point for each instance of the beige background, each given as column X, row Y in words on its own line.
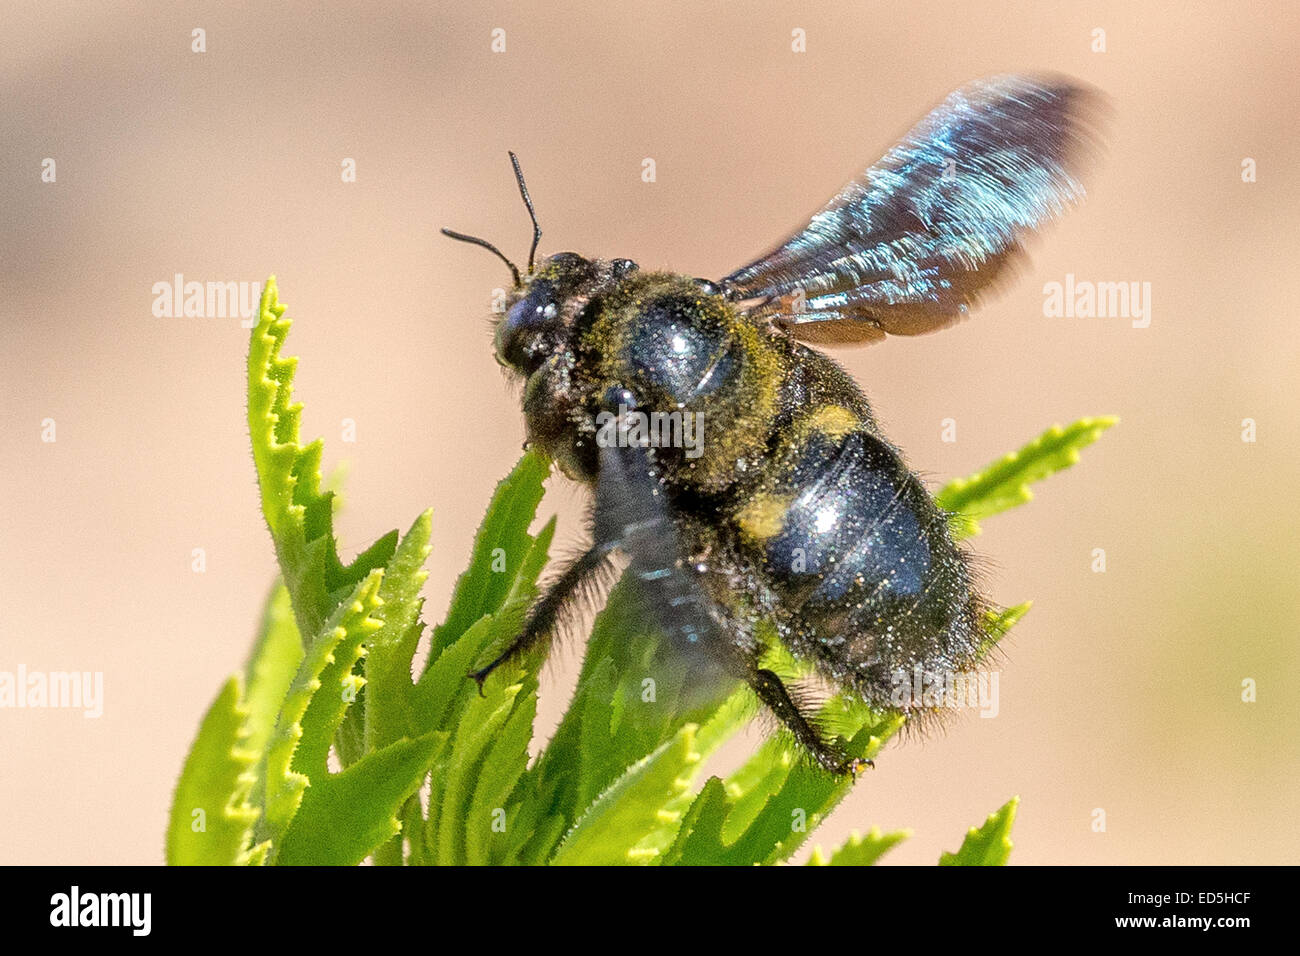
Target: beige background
column 1121, row 691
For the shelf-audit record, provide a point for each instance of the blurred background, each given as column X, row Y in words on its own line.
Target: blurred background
column 1122, row 690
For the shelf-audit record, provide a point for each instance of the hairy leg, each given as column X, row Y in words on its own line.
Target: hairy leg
column 589, row 572
column 774, row 694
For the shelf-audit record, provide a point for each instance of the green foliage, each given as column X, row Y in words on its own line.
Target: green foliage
column 989, row 845
column 859, row 850
column 210, row 822
column 331, row 746
column 1005, row 483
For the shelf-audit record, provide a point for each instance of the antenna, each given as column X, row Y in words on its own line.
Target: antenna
column 460, row 236
column 528, row 201
column 532, row 214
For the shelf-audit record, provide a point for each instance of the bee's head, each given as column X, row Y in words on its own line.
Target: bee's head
column 544, row 301
column 542, row 309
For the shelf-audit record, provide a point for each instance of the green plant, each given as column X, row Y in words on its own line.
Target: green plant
column 331, row 674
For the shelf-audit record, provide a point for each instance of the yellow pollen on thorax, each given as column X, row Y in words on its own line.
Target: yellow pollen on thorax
column 763, row 517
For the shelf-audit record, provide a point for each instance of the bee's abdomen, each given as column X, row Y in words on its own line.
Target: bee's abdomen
column 868, row 580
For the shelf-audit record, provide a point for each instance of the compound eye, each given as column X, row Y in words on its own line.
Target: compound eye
column 529, row 313
column 623, row 267
column 522, row 334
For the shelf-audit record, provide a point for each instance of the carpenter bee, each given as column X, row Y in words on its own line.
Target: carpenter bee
column 741, row 474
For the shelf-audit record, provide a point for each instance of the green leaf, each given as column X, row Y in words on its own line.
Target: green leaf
column 475, row 780
column 767, row 808
column 631, row 806
column 336, row 686
column 989, row 845
column 502, row 767
column 445, row 689
column 612, row 723
column 299, row 746
column 502, row 539
column 859, row 850
column 210, row 793
column 449, row 804
column 344, row 816
column 389, row 688
column 1005, row 483
column 699, row 838
column 413, row 833
column 997, row 622
column 271, row 667
column 779, row 795
column 299, row 515
column 477, row 774
column 734, row 713
column 387, row 711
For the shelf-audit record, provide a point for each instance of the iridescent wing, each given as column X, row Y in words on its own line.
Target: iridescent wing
column 922, row 235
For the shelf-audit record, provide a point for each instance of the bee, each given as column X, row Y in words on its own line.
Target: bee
column 776, row 496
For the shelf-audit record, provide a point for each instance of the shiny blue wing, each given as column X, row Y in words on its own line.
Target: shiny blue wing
column 922, row 235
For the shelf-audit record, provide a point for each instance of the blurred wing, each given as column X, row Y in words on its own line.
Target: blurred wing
column 633, row 515
column 914, row 242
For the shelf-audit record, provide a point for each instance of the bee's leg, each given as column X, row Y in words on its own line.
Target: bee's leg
column 590, row 572
column 774, row 694
column 629, row 515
